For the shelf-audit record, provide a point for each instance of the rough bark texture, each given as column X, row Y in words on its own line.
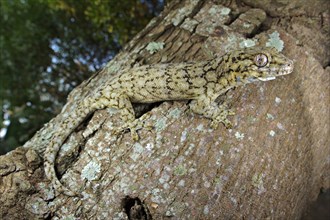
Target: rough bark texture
column 271, row 165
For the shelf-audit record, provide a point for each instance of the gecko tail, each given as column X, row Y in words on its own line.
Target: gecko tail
column 69, row 125
column 58, row 186
column 49, row 167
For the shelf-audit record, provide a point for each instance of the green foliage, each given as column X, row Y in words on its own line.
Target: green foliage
column 49, row 46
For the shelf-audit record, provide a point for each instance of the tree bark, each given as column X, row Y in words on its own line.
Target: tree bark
column 271, row 165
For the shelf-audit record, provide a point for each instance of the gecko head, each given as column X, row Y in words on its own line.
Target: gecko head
column 263, row 64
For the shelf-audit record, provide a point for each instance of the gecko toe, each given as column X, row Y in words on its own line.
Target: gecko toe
column 134, row 135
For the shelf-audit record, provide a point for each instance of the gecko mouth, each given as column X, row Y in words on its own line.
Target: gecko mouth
column 274, row 72
column 267, row 78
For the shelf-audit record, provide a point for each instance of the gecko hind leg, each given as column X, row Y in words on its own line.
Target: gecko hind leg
column 122, row 103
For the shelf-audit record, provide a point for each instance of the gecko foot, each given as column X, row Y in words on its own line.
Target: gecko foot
column 134, row 126
column 215, row 123
column 221, row 117
column 129, row 126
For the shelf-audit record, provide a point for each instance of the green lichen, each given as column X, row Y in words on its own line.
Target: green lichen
column 176, row 207
column 183, row 136
column 275, row 41
column 153, row 47
column 213, row 11
column 200, row 127
column 189, row 150
column 149, row 146
column 232, row 41
column 91, row 171
column 182, row 13
column 160, row 140
column 133, row 188
column 219, row 10
column 239, row 136
column 175, row 113
column 270, row 116
column 246, row 25
column 179, row 16
column 180, row 170
column 247, row 43
column 181, row 183
column 69, row 217
column 169, row 213
column 225, row 148
column 164, row 178
column 160, row 124
column 119, row 216
column 278, row 100
column 218, row 181
column 138, row 148
column 137, row 151
column 225, row 11
column 272, row 133
column 36, row 205
column 280, row 126
column 189, row 24
column 252, row 119
column 257, row 181
column 156, row 195
column 206, row 210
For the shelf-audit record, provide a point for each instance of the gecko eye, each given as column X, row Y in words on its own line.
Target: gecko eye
column 261, row 60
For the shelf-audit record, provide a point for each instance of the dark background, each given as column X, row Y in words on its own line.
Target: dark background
column 48, row 47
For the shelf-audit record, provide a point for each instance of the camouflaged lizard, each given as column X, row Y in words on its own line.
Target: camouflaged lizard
column 200, row 82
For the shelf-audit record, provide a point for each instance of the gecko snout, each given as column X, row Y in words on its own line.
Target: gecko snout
column 286, row 68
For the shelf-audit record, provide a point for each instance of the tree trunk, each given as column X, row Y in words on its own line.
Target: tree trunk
column 270, row 165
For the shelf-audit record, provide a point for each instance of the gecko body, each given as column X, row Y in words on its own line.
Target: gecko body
column 200, row 82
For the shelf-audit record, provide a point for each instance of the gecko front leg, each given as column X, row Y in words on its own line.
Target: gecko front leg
column 207, row 107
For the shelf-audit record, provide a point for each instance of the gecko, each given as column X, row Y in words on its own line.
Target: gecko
column 200, row 82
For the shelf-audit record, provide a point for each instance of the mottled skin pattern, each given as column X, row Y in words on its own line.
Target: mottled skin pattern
column 201, row 82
